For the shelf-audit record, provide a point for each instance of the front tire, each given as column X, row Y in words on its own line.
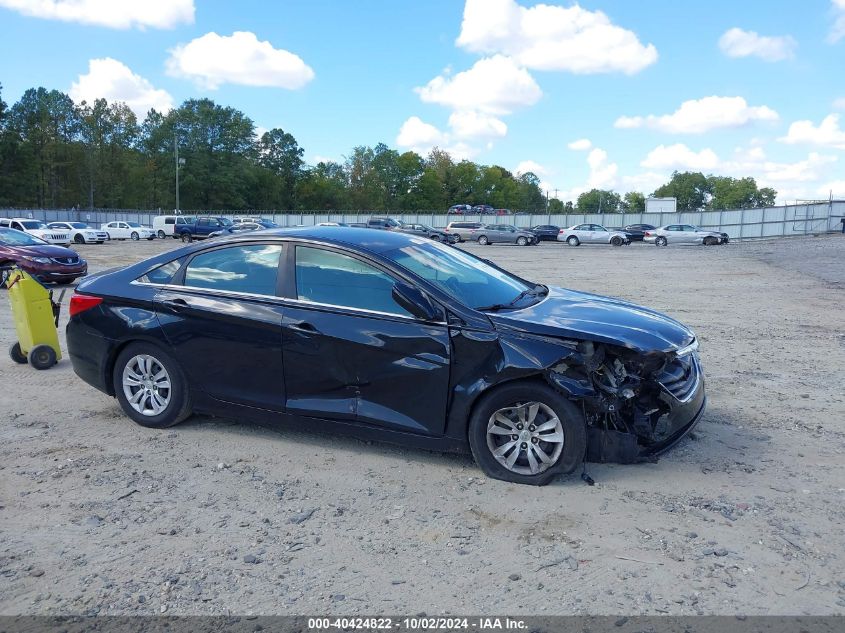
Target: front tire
column 135, row 237
column 573, row 241
column 660, row 241
column 186, row 237
column 522, row 241
column 150, row 386
column 527, row 433
column 616, row 240
column 78, row 239
column 710, row 241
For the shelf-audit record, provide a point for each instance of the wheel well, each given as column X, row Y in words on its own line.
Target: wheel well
column 112, row 359
column 535, row 379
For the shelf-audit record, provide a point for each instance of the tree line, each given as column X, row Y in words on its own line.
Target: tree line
column 55, row 153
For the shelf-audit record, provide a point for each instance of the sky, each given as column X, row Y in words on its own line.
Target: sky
column 613, row 94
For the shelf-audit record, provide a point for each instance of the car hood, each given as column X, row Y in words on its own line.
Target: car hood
column 580, row 315
column 43, row 250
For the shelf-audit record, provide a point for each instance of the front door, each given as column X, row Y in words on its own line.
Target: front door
column 351, row 352
column 223, row 320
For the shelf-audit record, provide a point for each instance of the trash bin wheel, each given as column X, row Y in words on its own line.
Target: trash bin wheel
column 42, row 357
column 17, row 355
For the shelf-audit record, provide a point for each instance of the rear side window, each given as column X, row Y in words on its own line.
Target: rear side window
column 163, row 274
column 170, row 220
column 331, row 278
column 251, row 269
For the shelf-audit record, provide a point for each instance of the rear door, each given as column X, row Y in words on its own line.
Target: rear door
column 223, row 319
column 351, row 352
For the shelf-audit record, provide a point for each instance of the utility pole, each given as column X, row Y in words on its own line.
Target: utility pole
column 176, row 152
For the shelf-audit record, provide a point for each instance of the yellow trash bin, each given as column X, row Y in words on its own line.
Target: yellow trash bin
column 36, row 319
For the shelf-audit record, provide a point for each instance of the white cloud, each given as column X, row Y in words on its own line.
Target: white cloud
column 698, row 116
column 738, row 43
column 535, row 168
column 116, row 14
column 550, row 37
column 496, row 85
column 469, row 124
column 419, row 136
column 837, row 30
column 602, row 173
column 826, row 134
column 112, row 80
column 679, row 156
column 240, row 58
column 839, row 104
column 415, row 133
column 581, row 144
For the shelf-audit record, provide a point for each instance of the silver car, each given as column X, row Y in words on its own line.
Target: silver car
column 503, row 234
column 462, row 229
column 684, row 234
column 592, row 234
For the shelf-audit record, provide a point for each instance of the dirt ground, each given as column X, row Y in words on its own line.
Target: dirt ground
column 215, row 516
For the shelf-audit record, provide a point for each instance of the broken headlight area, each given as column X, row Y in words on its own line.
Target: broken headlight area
column 634, row 403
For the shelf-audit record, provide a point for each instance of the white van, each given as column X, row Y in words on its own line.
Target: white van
column 165, row 225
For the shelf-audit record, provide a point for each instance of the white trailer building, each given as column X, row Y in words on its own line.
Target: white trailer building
column 661, row 205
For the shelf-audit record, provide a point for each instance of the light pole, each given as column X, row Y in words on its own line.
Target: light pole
column 179, row 162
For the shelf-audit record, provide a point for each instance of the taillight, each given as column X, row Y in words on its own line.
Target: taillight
column 81, row 303
column 647, row 233
column 561, row 231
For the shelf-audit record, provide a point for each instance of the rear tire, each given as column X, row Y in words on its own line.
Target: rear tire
column 17, row 355
column 178, row 397
column 521, row 396
column 660, row 241
column 161, row 234
column 573, row 241
column 482, row 239
column 42, row 357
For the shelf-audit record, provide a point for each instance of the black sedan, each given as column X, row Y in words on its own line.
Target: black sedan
column 391, row 337
column 637, row 231
column 546, row 232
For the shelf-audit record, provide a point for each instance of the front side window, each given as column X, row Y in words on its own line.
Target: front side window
column 34, row 224
column 251, row 269
column 332, row 278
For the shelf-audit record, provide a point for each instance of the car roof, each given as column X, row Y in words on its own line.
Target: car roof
column 373, row 240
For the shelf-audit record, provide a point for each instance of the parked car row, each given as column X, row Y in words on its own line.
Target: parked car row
column 479, row 209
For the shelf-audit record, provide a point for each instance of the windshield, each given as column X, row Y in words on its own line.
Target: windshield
column 134, row 225
column 79, row 225
column 11, row 237
column 228, row 222
column 460, row 275
column 33, row 224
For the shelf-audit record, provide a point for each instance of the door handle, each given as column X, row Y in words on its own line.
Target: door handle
column 175, row 304
column 303, row 326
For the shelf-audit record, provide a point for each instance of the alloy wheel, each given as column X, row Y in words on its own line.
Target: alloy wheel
column 146, row 385
column 526, row 438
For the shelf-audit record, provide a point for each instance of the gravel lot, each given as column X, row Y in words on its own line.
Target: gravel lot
column 215, row 516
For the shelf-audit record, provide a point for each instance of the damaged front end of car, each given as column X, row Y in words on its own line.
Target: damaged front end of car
column 635, row 404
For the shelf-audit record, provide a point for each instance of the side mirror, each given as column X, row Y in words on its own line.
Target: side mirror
column 415, row 302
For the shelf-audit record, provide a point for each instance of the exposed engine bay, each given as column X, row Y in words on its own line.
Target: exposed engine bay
column 627, row 397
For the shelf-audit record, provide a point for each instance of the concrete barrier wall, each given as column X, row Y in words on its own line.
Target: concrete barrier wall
column 740, row 224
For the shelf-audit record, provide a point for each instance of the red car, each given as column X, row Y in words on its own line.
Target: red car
column 43, row 261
